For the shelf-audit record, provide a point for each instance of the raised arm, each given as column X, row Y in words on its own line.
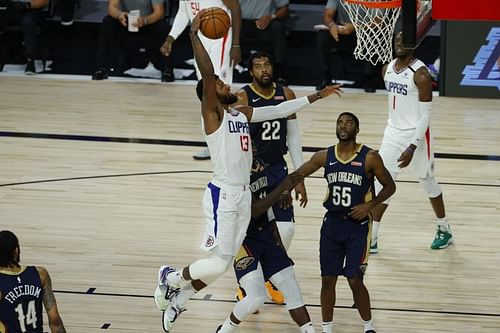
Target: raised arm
column 287, row 108
column 317, row 161
column 211, row 110
column 234, row 7
column 49, row 301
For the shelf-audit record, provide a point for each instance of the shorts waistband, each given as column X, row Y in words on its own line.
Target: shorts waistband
column 342, row 216
column 242, row 187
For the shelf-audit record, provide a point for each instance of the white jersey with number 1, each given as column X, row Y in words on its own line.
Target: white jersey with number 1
column 402, row 93
column 218, row 49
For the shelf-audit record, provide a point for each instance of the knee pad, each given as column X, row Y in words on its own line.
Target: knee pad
column 430, row 186
column 211, row 268
column 255, row 294
column 286, row 230
column 285, row 281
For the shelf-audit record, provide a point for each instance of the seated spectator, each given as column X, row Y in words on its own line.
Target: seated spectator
column 338, row 35
column 29, row 14
column 263, row 21
column 115, row 32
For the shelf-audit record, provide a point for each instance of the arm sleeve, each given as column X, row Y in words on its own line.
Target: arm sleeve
column 181, row 20
column 281, row 110
column 423, row 122
column 294, row 142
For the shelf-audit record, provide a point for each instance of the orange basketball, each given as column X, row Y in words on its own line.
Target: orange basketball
column 215, row 23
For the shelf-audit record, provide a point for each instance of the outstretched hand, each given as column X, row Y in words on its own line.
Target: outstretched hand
column 329, row 90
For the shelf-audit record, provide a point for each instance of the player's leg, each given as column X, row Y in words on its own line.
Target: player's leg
column 286, row 282
column 443, row 237
column 357, row 253
column 284, row 221
column 331, row 257
column 389, row 151
column 251, row 281
column 423, row 166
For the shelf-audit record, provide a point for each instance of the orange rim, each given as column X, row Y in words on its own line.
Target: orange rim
column 376, row 4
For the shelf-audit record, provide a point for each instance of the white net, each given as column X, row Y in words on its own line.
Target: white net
column 374, row 22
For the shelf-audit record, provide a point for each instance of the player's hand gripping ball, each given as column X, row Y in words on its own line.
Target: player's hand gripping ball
column 215, row 23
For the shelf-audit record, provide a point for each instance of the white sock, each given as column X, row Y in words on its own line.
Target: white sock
column 307, row 328
column 442, row 224
column 228, row 326
column 327, row 327
column 375, row 226
column 368, row 325
column 175, row 278
column 185, row 294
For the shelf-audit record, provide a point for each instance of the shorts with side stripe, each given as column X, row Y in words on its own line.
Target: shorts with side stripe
column 344, row 246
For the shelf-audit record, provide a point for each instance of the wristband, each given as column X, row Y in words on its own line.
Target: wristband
column 410, row 149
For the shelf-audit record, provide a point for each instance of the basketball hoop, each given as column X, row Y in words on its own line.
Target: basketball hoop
column 374, row 22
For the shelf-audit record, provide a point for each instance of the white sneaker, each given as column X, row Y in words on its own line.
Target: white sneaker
column 171, row 314
column 202, row 155
column 164, row 291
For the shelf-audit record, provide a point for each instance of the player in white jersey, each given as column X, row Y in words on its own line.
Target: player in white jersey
column 225, row 52
column 227, row 199
column 407, row 137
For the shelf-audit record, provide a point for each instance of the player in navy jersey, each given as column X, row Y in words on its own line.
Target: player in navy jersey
column 262, row 255
column 349, row 169
column 23, row 289
column 227, row 199
column 272, row 140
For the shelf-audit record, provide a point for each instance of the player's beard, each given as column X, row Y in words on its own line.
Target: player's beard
column 229, row 99
column 265, row 83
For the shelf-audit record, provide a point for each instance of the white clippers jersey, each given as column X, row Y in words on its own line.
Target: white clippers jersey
column 231, row 150
column 403, row 95
column 193, row 7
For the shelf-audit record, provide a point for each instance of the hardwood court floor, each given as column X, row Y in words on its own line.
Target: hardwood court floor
column 102, row 215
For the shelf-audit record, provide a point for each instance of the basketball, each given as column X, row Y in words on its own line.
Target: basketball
column 215, row 23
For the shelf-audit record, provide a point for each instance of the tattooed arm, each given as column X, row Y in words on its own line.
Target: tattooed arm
column 49, row 301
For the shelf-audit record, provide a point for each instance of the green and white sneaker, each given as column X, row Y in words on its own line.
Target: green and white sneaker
column 374, row 248
column 442, row 239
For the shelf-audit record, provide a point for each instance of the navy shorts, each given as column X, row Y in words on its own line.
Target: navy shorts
column 264, row 249
column 344, row 246
column 275, row 174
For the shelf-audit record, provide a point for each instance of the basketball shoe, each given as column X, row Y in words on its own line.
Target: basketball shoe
column 171, row 314
column 164, row 291
column 442, row 239
column 374, row 248
column 273, row 292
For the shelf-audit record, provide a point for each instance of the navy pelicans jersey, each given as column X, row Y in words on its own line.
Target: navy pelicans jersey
column 21, row 301
column 348, row 184
column 259, row 187
column 269, row 137
column 402, row 93
column 230, row 150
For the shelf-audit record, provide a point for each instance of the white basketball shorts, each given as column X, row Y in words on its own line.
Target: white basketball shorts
column 228, row 213
column 395, row 141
